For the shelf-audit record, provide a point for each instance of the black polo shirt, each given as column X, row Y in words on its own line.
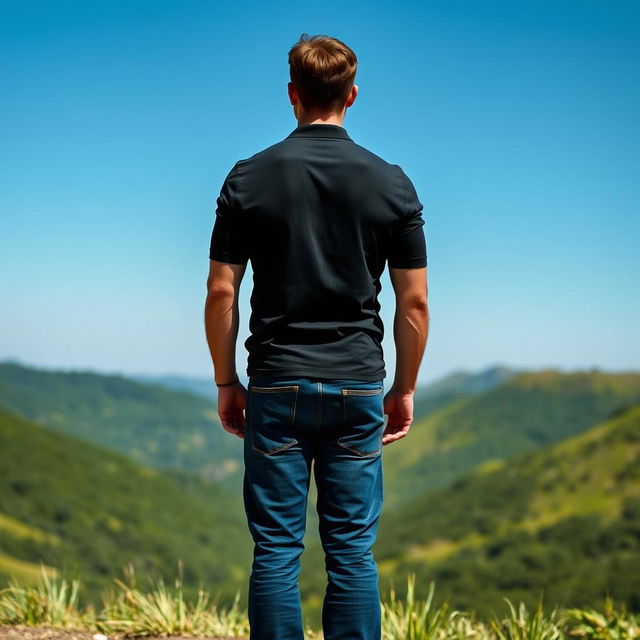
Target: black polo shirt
column 318, row 215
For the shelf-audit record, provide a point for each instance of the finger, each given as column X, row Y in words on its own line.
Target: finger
column 395, row 425
column 236, row 432
column 228, row 424
column 389, row 439
column 233, row 423
column 392, row 437
column 395, row 431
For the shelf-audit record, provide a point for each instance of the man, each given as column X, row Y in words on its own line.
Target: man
column 318, row 216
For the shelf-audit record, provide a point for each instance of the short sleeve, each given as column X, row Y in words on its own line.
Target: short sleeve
column 228, row 237
column 408, row 246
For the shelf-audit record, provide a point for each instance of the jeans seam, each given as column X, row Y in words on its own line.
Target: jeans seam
column 295, row 404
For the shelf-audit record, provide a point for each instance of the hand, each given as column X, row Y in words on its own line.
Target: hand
column 232, row 401
column 399, row 407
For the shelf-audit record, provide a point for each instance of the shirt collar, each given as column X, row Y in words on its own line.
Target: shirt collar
column 318, row 130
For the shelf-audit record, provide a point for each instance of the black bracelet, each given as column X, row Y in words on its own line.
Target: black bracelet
column 227, row 384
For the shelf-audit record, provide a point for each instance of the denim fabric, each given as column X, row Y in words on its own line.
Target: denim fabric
column 338, row 424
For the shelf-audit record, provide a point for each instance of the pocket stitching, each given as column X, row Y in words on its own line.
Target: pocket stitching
column 362, row 392
column 290, row 388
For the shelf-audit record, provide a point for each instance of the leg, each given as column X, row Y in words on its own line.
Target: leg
column 349, row 478
column 275, row 490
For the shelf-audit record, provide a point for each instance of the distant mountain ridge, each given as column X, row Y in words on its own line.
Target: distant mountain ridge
column 526, row 411
column 155, row 426
column 463, row 381
column 453, row 385
column 460, row 421
column 166, row 421
column 431, row 397
column 202, row 387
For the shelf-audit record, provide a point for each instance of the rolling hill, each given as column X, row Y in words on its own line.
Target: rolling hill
column 460, row 384
column 83, row 510
column 563, row 520
column 155, row 426
column 115, row 466
column 526, row 411
column 202, row 387
column 165, row 422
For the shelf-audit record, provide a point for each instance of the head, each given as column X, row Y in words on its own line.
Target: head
column 322, row 71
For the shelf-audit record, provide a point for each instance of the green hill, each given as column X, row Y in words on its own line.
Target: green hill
column 460, row 384
column 470, row 419
column 159, row 427
column 563, row 520
column 83, row 510
column 163, row 427
column 526, row 411
column 203, row 387
column 474, row 419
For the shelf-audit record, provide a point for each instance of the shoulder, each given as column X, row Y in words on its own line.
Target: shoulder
column 373, row 158
column 273, row 152
column 391, row 172
column 266, row 162
column 392, row 177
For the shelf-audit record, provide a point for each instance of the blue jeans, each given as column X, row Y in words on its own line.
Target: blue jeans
column 338, row 424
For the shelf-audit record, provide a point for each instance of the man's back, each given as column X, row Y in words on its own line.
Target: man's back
column 318, row 216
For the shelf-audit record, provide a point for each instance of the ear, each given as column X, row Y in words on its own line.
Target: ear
column 293, row 94
column 352, row 96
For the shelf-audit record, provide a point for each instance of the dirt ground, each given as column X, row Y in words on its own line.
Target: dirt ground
column 20, row 632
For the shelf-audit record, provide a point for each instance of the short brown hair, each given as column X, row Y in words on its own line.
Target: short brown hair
column 323, row 70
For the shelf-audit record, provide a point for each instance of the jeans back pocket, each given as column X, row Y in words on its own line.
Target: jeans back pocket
column 271, row 417
column 362, row 420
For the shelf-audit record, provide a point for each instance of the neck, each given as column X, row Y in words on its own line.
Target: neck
column 332, row 118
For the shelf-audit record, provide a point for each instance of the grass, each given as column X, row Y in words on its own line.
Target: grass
column 162, row 610
column 51, row 601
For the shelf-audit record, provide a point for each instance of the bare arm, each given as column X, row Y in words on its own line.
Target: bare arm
column 410, row 325
column 410, row 331
column 222, row 319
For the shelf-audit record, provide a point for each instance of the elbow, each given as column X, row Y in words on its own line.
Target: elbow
column 420, row 305
column 219, row 291
column 415, row 302
column 218, row 287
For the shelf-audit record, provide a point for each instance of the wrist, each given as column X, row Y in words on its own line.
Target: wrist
column 403, row 389
column 229, row 383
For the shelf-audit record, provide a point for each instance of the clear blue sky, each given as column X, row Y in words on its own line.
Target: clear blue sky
column 517, row 121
